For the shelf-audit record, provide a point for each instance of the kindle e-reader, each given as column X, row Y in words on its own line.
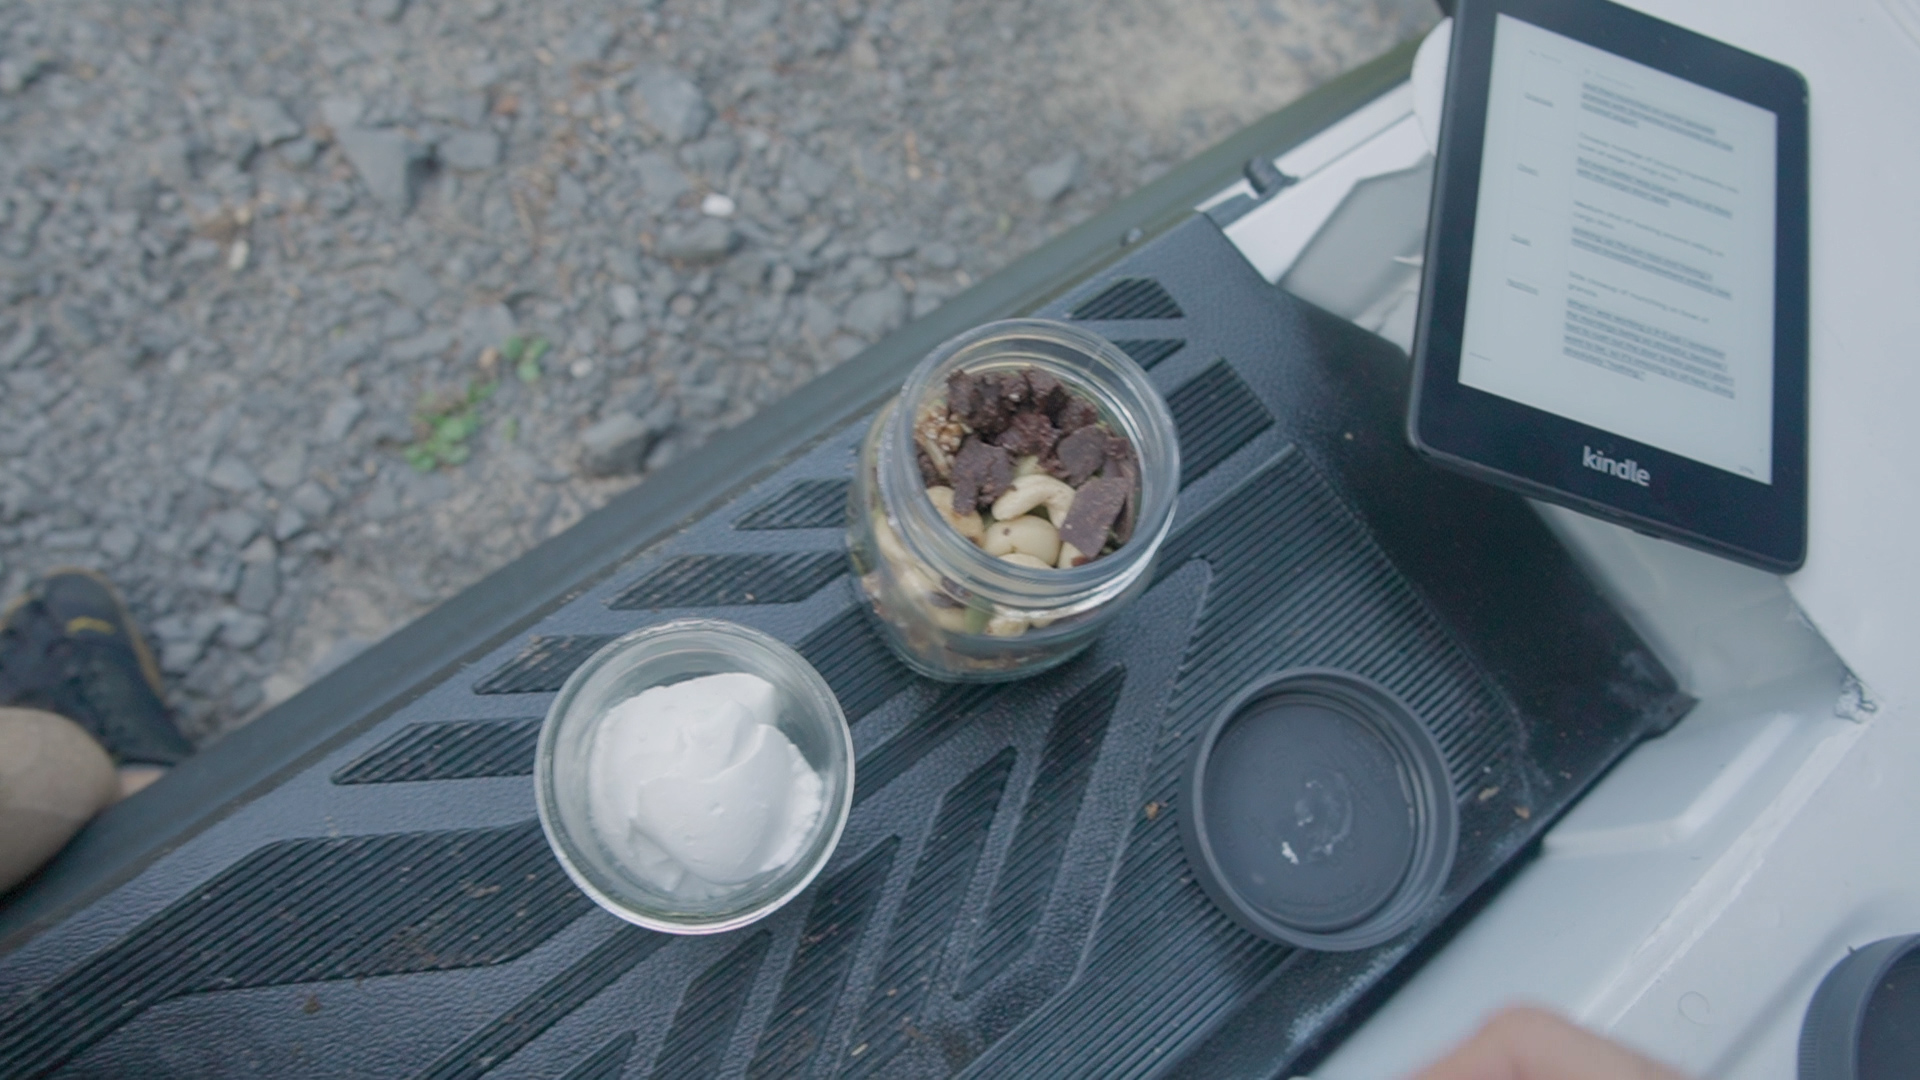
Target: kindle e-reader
column 1614, row 305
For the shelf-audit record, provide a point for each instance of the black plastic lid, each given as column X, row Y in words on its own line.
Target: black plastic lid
column 1317, row 811
column 1864, row 1021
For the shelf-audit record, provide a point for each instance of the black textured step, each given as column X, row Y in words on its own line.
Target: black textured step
column 1020, row 895
column 887, row 1028
column 862, row 672
column 448, row 750
column 1010, row 896
column 1150, row 351
column 1130, row 298
column 543, row 665
column 723, row 580
column 708, row 1013
column 565, row 992
column 1216, row 413
column 306, row 910
column 808, row 504
column 821, row 964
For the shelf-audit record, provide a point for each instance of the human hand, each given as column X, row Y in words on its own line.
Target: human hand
column 1533, row 1044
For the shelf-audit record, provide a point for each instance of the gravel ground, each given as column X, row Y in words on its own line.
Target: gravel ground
column 313, row 313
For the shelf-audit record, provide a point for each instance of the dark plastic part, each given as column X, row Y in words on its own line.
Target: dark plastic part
column 1215, row 414
column 727, row 580
column 809, row 504
column 1071, row 940
column 1129, row 298
column 1149, row 351
column 1317, row 811
column 1266, row 177
column 1864, row 1021
column 448, row 750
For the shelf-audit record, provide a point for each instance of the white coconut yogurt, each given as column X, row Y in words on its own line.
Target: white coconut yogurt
column 693, row 787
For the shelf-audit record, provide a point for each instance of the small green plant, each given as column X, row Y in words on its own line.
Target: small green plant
column 524, row 354
column 443, row 424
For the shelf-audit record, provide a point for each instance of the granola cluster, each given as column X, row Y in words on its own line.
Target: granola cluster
column 1025, row 467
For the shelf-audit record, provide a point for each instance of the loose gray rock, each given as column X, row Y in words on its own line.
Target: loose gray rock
column 1048, row 182
column 470, row 150
column 488, row 324
column 588, row 44
column 387, row 162
column 236, row 527
column 242, row 629
column 890, row 243
column 811, row 175
column 420, row 346
column 259, row 587
column 119, row 543
column 673, row 106
column 233, row 476
column 385, row 10
column 287, row 468
column 270, row 122
column 710, row 240
column 17, row 73
column 877, row 311
column 342, row 111
column 660, row 179
column 939, row 255
column 340, row 418
column 184, row 639
column 288, row 523
column 615, row 446
column 311, row 499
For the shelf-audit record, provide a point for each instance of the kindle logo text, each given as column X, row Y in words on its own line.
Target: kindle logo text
column 1628, row 470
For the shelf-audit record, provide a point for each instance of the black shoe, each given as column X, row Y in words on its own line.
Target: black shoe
column 69, row 646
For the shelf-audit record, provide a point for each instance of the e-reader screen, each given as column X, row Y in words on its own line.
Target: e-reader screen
column 1622, row 273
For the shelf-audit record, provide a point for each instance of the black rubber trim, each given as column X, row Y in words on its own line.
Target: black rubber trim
column 720, row 580
column 121, row 841
column 448, row 750
column 809, row 504
column 1130, row 298
column 1150, row 351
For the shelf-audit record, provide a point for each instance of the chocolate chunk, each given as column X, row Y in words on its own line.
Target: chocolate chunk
column 1122, row 464
column 1076, row 414
column 1049, row 395
column 1095, row 506
column 963, row 394
column 1080, row 455
column 1030, row 433
column 981, row 473
column 929, row 472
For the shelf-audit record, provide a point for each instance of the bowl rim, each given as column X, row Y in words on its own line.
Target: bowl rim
column 561, row 842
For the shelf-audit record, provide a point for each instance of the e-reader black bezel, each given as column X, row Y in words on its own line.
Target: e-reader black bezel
column 1540, row 453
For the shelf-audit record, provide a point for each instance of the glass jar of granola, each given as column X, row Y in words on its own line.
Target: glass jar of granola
column 1010, row 501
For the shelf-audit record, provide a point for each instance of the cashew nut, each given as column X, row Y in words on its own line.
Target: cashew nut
column 1070, row 556
column 1021, row 558
column 1006, row 626
column 1027, row 492
column 967, row 524
column 1027, row 535
column 1027, row 466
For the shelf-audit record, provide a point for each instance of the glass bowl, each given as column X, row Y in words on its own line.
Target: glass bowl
column 807, row 714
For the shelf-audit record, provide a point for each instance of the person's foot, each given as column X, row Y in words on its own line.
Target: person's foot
column 69, row 646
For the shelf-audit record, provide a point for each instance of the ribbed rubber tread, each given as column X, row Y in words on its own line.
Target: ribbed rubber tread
column 1326, row 596
column 708, row 1012
column 808, row 504
column 1129, row 298
column 543, row 665
column 723, row 580
column 543, row 1008
column 447, row 750
column 881, row 765
column 607, row 1063
column 308, row 910
column 1150, row 351
column 863, row 673
column 1020, row 895
column 888, row 1027
column 1215, row 413
column 818, row 972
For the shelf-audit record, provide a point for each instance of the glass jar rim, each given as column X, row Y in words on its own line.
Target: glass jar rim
column 1126, row 397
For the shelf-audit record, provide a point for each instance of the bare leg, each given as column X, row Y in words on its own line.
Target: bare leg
column 1533, row 1044
column 53, row 778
